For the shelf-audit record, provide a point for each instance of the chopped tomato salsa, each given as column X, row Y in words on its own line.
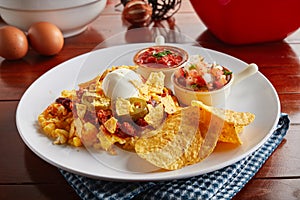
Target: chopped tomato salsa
column 159, row 57
column 201, row 76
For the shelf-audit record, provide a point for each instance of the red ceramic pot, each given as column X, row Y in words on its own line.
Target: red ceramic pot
column 249, row 21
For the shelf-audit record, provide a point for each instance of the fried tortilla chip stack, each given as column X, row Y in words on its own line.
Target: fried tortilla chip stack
column 190, row 135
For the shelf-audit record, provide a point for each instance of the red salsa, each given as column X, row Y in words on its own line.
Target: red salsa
column 160, row 57
column 202, row 76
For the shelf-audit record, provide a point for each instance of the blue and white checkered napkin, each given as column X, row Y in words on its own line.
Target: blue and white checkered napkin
column 220, row 184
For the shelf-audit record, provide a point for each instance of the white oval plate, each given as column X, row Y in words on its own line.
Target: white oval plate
column 255, row 94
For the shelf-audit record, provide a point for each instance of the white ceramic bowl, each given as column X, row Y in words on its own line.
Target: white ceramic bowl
column 71, row 16
column 212, row 98
column 145, row 69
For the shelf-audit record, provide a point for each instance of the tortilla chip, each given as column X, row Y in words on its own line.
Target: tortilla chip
column 88, row 134
column 104, row 141
column 111, row 124
column 167, row 146
column 143, row 89
column 179, row 141
column 68, row 94
column 239, row 118
column 155, row 115
column 155, row 82
column 81, row 110
column 234, row 122
column 169, row 104
column 122, row 106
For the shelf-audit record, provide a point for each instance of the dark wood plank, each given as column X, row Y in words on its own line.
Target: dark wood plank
column 18, row 163
column 266, row 54
column 38, row 192
column 275, row 189
column 284, row 161
column 290, row 103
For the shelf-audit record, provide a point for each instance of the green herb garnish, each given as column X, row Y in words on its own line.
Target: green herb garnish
column 162, row 53
column 192, row 66
column 194, row 86
column 226, row 72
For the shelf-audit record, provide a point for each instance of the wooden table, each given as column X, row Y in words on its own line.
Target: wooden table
column 23, row 175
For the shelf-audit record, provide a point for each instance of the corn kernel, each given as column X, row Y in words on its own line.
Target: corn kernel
column 62, row 132
column 49, row 128
column 77, row 142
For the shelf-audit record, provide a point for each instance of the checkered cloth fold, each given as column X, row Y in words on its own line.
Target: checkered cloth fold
column 220, row 184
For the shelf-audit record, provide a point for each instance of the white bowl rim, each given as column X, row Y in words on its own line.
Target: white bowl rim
column 46, row 5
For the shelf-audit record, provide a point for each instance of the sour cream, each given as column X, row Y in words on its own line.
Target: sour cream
column 118, row 83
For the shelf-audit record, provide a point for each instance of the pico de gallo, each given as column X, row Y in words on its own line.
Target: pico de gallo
column 160, row 57
column 199, row 75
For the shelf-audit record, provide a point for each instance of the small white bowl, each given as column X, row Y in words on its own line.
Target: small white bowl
column 71, row 16
column 212, row 98
column 145, row 69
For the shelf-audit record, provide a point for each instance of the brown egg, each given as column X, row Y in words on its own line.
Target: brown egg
column 13, row 43
column 45, row 38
